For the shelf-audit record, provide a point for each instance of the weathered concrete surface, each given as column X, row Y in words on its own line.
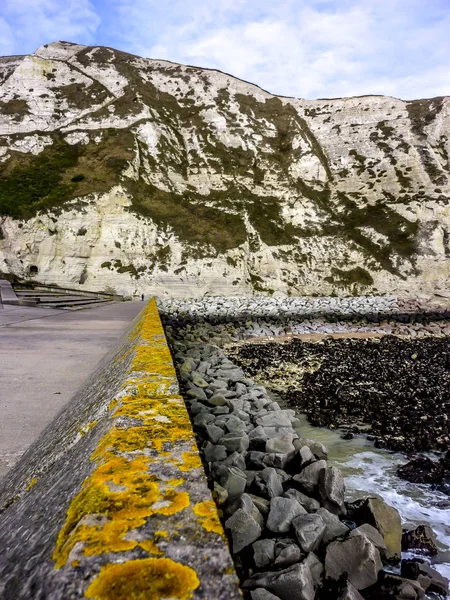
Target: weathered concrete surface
column 45, row 355
column 111, row 501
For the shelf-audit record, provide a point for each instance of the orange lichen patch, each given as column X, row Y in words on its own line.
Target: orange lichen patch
column 209, row 519
column 125, row 510
column 161, row 533
column 113, row 404
column 191, row 460
column 32, row 483
column 164, row 419
column 124, row 440
column 174, row 482
column 145, row 579
column 178, row 501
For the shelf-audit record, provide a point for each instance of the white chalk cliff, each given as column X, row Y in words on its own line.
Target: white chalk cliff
column 138, row 175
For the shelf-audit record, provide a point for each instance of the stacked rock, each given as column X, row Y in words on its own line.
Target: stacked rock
column 233, row 319
column 291, row 533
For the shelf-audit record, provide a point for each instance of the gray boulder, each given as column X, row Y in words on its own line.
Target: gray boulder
column 310, row 504
column 357, row 557
column 332, row 490
column 217, row 399
column 277, row 418
column 371, row 534
column 246, row 503
column 213, row 433
column 268, row 483
column 333, row 526
column 243, row 529
column 235, row 442
column 309, row 530
column 214, row 453
column 263, row 553
column 316, row 568
column 308, row 479
column 317, row 448
column 282, row 512
column 288, row 555
column 233, row 480
column 293, row 583
column 262, row 504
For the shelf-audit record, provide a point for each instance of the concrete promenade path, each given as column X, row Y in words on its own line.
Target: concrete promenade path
column 45, row 355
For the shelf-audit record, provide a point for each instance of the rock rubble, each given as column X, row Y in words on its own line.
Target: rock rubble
column 291, row 533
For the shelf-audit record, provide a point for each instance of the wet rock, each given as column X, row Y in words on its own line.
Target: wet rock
column 308, row 479
column 295, row 582
column 333, row 526
column 428, row 578
column 309, row 530
column 422, row 470
column 394, row 587
column 357, row 557
column 386, row 520
column 244, row 530
column 263, row 553
column 282, row 512
column 310, row 504
column 421, row 539
column 332, row 490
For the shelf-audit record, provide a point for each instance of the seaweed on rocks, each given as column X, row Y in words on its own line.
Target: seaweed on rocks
column 400, row 388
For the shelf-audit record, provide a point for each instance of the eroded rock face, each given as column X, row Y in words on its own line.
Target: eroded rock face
column 183, row 181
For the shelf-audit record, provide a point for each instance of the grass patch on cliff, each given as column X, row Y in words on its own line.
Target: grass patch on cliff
column 60, row 173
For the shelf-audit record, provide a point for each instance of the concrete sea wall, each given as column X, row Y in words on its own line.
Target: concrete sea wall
column 112, row 500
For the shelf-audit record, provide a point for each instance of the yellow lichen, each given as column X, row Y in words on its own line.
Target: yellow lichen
column 32, row 483
column 121, row 494
column 144, row 579
column 191, row 460
column 209, row 519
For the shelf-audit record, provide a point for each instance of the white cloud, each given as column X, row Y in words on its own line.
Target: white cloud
column 309, row 49
column 36, row 22
column 304, row 48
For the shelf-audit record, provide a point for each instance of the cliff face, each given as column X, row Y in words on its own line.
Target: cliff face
column 139, row 175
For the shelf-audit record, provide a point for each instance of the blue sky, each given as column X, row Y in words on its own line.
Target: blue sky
column 304, row 48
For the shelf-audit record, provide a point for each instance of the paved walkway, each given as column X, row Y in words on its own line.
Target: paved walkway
column 45, row 355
